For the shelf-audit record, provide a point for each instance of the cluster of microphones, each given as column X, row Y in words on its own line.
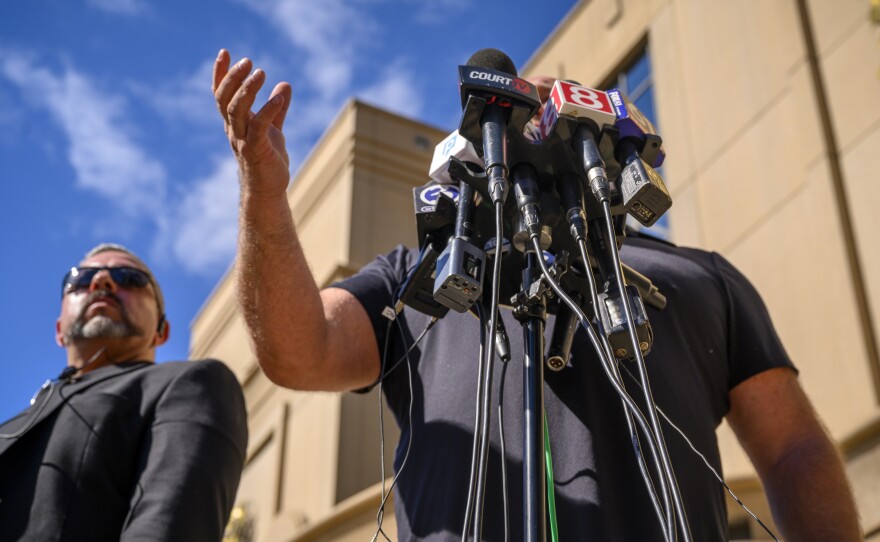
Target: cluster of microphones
column 590, row 148
column 549, row 199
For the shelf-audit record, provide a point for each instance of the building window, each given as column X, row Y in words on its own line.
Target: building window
column 637, row 82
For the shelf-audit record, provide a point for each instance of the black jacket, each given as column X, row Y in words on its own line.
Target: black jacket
column 135, row 451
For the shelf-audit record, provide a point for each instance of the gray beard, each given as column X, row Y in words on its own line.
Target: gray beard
column 101, row 327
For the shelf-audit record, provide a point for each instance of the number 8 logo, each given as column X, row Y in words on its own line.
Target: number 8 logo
column 587, row 97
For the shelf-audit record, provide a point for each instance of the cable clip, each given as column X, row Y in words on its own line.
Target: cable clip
column 389, row 313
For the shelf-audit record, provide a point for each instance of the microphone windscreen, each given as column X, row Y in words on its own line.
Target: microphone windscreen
column 492, row 59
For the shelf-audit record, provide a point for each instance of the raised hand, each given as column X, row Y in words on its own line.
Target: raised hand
column 256, row 138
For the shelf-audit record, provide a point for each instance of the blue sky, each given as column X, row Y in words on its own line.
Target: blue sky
column 108, row 130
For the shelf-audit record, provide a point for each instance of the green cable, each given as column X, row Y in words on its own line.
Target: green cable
column 551, row 499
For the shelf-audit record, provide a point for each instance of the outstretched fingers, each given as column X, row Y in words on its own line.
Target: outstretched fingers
column 230, row 83
column 239, row 108
column 257, row 139
column 221, row 67
column 275, row 110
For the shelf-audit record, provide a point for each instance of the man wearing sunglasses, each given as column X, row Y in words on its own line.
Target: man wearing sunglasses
column 118, row 447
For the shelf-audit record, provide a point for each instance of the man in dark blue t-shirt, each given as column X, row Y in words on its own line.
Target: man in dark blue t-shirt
column 713, row 335
column 715, row 356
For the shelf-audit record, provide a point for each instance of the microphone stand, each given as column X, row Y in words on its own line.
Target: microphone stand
column 531, row 312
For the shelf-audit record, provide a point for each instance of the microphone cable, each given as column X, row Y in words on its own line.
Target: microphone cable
column 646, row 387
column 478, row 424
column 607, row 359
column 582, row 247
column 48, row 384
column 418, row 339
column 705, row 461
column 504, row 498
column 591, row 333
column 65, row 376
column 380, row 514
column 571, row 194
column 488, row 357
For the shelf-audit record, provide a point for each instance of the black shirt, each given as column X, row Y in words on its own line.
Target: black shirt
column 713, row 334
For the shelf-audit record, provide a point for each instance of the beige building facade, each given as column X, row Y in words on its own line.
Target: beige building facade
column 770, row 115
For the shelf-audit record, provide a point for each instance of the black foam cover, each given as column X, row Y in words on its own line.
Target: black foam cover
column 492, row 59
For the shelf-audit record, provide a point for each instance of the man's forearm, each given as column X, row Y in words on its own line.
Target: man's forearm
column 278, row 296
column 303, row 338
column 810, row 496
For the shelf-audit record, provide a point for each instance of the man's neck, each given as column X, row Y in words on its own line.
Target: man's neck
column 88, row 355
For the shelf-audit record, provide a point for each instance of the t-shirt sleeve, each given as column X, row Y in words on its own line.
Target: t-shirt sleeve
column 375, row 287
column 753, row 343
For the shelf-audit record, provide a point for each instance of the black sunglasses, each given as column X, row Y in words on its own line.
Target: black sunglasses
column 79, row 278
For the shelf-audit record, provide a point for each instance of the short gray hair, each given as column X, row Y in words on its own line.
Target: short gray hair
column 114, row 247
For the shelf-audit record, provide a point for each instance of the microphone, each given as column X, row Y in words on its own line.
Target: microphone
column 571, row 195
column 639, row 150
column 528, row 197
column 419, row 287
column 435, row 210
column 493, row 99
column 502, row 342
column 648, row 292
column 459, row 280
column 635, row 128
column 580, row 113
column 563, row 335
column 455, row 145
column 644, row 193
column 574, row 103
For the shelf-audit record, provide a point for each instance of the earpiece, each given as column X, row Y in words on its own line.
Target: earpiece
column 160, row 328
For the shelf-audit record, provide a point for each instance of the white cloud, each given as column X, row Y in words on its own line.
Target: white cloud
column 331, row 37
column 438, row 11
column 197, row 224
column 12, row 120
column 120, row 7
column 187, row 98
column 307, row 118
column 395, row 91
column 329, row 32
column 202, row 228
column 102, row 150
